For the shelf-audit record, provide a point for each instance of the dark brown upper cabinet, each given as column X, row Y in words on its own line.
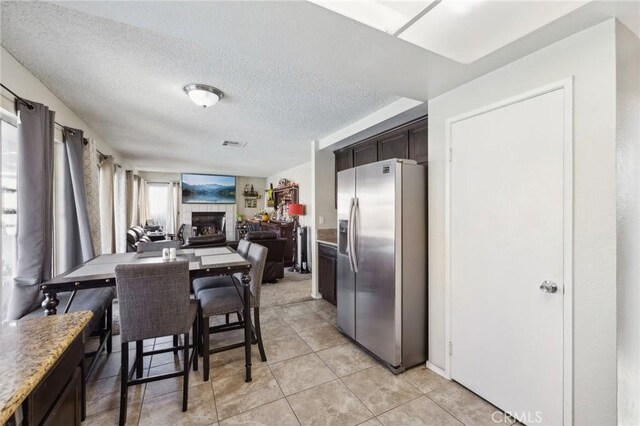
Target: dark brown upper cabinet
column 410, row 140
column 418, row 142
column 393, row 145
column 365, row 153
column 344, row 159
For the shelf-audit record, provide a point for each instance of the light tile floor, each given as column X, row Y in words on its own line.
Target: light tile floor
column 314, row 376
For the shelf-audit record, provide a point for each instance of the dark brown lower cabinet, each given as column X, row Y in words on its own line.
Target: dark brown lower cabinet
column 58, row 398
column 327, row 258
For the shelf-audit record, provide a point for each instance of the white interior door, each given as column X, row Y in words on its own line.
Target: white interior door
column 507, row 232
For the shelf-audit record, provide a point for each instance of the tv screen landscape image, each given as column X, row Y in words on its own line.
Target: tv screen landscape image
column 208, row 189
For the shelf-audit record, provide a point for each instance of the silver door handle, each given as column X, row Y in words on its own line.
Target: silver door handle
column 548, row 287
column 354, row 239
column 349, row 235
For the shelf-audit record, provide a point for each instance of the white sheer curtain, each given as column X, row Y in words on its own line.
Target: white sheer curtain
column 173, row 208
column 143, row 202
column 135, row 196
column 120, row 210
column 106, row 206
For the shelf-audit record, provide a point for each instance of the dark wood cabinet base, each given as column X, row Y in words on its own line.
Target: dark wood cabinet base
column 58, row 398
column 327, row 259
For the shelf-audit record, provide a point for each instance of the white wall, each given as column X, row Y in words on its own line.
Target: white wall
column 628, row 159
column 589, row 56
column 324, row 176
column 22, row 82
column 259, row 186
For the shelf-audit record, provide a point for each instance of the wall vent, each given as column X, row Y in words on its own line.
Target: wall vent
column 232, row 144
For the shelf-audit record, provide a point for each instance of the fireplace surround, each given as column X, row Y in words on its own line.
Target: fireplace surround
column 208, row 223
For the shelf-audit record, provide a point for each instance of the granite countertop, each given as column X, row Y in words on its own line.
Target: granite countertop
column 327, row 236
column 28, row 350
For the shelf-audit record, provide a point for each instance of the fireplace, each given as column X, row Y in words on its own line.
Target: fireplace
column 208, row 223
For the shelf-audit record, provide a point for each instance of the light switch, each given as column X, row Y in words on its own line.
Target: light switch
column 321, row 220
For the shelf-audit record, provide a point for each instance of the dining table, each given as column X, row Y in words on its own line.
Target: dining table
column 203, row 262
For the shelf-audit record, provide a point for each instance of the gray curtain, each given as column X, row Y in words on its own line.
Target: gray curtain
column 92, row 185
column 35, row 207
column 75, row 229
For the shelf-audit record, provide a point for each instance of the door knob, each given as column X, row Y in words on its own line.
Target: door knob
column 548, row 287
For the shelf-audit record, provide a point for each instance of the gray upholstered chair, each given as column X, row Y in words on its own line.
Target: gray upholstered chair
column 228, row 299
column 225, row 280
column 144, row 247
column 174, row 314
column 243, row 248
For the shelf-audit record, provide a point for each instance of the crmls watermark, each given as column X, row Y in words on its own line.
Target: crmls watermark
column 525, row 417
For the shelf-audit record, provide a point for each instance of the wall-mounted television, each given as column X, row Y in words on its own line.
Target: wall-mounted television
column 208, row 189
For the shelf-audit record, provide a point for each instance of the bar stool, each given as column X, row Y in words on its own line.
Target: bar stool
column 173, row 313
column 224, row 300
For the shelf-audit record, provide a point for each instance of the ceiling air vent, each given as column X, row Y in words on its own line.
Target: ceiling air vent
column 232, row 144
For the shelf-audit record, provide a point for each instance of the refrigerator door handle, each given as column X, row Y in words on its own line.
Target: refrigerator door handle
column 349, row 237
column 354, row 236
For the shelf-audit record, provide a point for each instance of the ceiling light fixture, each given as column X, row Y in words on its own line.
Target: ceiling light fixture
column 203, row 95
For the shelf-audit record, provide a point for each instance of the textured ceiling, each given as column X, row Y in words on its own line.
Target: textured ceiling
column 126, row 83
column 291, row 71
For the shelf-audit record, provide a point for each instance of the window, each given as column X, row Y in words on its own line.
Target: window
column 8, row 203
column 158, row 202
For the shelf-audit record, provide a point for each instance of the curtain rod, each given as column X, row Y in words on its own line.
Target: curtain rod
column 31, row 107
column 29, row 104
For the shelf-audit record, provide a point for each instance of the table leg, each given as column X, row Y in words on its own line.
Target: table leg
column 50, row 303
column 246, row 279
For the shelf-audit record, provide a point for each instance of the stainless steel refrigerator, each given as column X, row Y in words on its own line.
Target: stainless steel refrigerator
column 382, row 260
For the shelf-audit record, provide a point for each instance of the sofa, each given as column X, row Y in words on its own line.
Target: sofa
column 202, row 241
column 274, row 268
column 135, row 234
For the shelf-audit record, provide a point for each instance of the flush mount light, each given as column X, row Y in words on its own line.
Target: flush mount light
column 203, row 95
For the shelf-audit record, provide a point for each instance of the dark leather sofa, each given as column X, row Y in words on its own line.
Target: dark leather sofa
column 135, row 234
column 274, row 268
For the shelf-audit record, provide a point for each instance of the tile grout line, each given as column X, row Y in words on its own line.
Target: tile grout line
column 283, row 394
column 445, row 409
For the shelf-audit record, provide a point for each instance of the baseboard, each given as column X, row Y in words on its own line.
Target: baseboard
column 438, row 370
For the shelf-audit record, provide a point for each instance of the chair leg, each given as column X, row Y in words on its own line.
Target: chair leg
column 226, row 318
column 204, row 331
column 185, row 384
column 175, row 343
column 109, row 315
column 256, row 314
column 196, row 338
column 124, row 382
column 139, row 359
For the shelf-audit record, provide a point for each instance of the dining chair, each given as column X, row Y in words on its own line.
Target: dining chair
column 243, row 248
column 225, row 300
column 204, row 283
column 137, row 285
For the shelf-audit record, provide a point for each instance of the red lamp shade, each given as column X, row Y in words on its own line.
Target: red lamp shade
column 296, row 209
